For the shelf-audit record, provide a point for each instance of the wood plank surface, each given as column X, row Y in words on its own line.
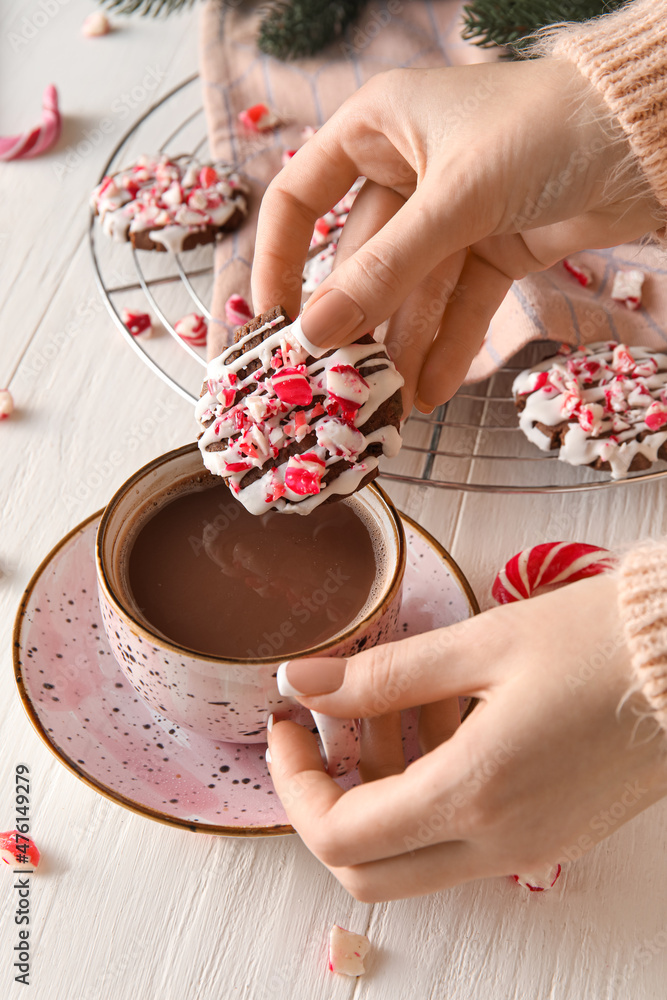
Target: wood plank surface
column 126, row 908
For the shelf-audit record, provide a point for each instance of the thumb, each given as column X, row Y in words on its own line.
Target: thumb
column 416, row 671
column 369, row 286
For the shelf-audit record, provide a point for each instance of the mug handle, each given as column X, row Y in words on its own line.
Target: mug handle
column 340, row 741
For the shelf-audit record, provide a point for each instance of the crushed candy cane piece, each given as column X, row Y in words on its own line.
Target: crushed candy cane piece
column 581, row 274
column 17, row 850
column 347, row 951
column 40, row 138
column 291, row 386
column 259, row 118
column 287, row 155
column 347, row 391
column 192, row 329
column 137, row 322
column 339, row 438
column 656, row 416
column 590, row 418
column 95, row 25
column 304, row 473
column 6, row 404
column 627, row 288
column 548, row 565
column 237, row 311
column 208, row 177
column 538, row 883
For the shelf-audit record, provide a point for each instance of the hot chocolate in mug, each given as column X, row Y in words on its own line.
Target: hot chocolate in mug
column 215, row 693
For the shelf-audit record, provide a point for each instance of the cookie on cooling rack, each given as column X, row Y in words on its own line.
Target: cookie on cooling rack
column 288, row 431
column 163, row 204
column 604, row 406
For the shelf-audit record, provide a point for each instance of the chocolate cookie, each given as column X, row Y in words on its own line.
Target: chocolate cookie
column 162, row 204
column 604, row 406
column 288, row 431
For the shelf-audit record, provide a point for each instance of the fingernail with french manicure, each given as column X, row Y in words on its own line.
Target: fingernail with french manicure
column 330, row 318
column 269, row 723
column 267, row 756
column 422, row 406
column 319, row 675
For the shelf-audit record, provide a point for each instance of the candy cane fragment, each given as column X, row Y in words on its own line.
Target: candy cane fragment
column 548, row 565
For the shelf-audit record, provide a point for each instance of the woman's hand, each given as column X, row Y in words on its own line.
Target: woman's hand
column 477, row 175
column 553, row 759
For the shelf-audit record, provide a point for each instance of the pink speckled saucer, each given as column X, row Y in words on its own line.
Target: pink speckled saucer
column 89, row 716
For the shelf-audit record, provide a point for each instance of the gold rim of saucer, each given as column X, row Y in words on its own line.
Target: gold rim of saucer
column 117, row 797
column 162, row 642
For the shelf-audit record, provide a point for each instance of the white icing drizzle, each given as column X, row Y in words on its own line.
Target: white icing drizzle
column 168, row 199
column 605, row 404
column 270, row 423
column 319, row 267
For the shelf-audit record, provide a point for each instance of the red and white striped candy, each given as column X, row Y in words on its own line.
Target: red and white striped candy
column 259, row 118
column 291, row 386
column 538, row 883
column 550, row 564
column 38, row 139
column 656, row 416
column 237, row 311
column 347, row 391
column 137, row 322
column 582, row 274
column 192, row 329
column 6, row 404
column 304, row 473
column 17, row 855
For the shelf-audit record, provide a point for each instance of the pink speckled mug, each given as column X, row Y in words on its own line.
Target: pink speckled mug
column 231, row 699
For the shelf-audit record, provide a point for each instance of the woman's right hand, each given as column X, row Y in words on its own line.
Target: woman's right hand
column 476, row 176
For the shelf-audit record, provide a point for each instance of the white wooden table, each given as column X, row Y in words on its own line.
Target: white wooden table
column 125, row 907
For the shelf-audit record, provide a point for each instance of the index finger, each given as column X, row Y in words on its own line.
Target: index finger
column 316, row 177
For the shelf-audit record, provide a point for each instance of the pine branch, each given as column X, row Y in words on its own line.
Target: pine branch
column 145, row 7
column 292, row 29
column 507, row 22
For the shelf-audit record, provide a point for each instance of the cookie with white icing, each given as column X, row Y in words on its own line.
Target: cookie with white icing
column 288, row 431
column 162, row 204
column 604, row 405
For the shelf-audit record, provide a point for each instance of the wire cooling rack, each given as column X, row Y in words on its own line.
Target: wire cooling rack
column 472, row 443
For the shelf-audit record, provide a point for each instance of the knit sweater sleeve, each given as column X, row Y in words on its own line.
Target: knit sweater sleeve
column 624, row 56
column 642, row 595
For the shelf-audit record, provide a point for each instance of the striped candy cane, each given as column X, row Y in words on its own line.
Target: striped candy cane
column 38, row 139
column 548, row 565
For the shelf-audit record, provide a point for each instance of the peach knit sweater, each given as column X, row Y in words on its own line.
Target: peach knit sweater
column 624, row 56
